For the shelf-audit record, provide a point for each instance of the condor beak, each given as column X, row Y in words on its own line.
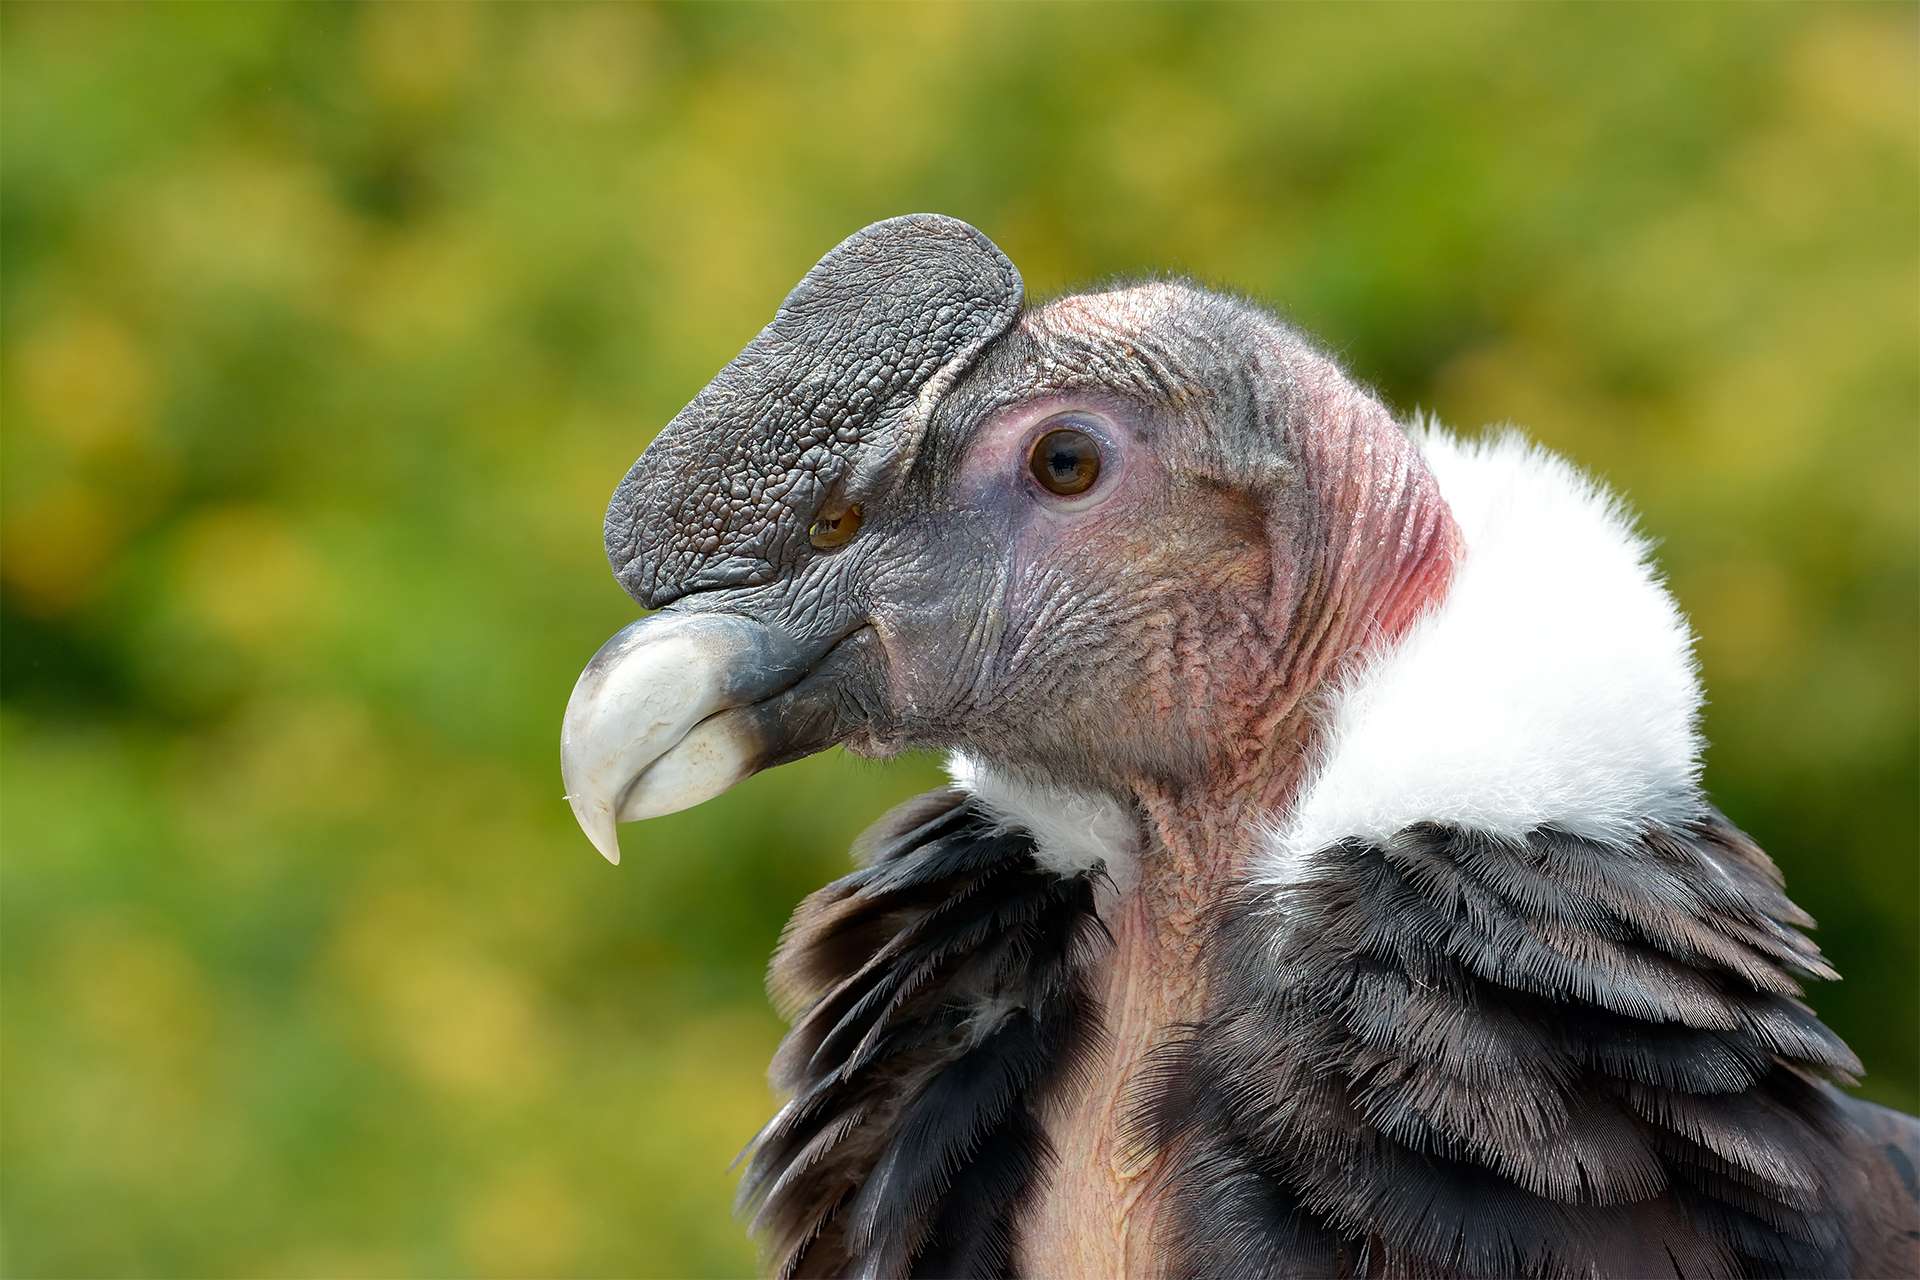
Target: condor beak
column 664, row 717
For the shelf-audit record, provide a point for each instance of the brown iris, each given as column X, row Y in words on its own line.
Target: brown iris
column 1065, row 461
column 832, row 529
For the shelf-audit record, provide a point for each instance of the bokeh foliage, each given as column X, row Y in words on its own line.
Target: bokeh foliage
column 328, row 330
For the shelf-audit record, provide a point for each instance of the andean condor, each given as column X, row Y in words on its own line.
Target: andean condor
column 1325, row 888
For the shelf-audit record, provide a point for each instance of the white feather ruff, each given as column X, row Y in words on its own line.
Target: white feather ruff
column 1554, row 683
column 1073, row 829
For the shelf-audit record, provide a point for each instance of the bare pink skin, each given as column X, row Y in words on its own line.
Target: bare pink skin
column 1376, row 548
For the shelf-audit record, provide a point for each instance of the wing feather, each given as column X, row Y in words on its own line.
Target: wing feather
column 1448, row 1053
column 935, row 992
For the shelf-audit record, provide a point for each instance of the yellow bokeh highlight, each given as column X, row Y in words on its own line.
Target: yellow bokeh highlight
column 464, row 1022
column 87, row 381
column 247, row 573
column 526, row 1221
column 57, row 546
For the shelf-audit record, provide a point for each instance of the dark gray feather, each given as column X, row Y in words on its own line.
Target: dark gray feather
column 1449, row 1054
column 936, row 991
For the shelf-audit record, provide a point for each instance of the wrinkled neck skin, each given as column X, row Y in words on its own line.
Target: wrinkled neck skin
column 1362, row 554
column 1370, row 545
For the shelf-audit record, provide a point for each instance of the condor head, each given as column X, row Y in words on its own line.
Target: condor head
column 1111, row 541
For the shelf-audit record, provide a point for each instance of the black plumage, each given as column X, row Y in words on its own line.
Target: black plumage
column 1448, row 1053
column 1443, row 1054
column 938, row 990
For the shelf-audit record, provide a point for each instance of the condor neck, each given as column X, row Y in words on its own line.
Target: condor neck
column 1379, row 552
column 1200, row 837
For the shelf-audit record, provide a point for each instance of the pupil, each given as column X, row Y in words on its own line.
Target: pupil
column 1065, row 461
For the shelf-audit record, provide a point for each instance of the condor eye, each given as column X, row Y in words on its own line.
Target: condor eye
column 835, row 528
column 1065, row 461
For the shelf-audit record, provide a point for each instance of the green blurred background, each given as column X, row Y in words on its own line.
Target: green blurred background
column 328, row 330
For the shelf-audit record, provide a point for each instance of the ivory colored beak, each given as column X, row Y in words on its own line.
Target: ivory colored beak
column 657, row 721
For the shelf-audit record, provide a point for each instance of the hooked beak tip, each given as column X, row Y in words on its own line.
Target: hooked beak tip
column 643, row 734
column 596, row 820
column 600, row 830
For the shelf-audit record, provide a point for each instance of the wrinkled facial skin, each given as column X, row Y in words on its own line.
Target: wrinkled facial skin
column 1133, row 630
column 1087, row 634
